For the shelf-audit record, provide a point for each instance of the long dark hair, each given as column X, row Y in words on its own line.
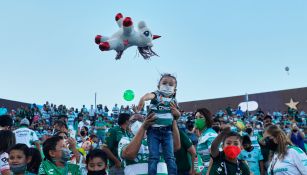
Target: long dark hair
column 207, row 114
column 36, row 160
column 7, row 140
column 50, row 144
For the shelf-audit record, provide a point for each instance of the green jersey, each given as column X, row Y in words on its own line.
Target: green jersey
column 221, row 166
column 112, row 139
column 183, row 160
column 49, row 168
column 100, row 123
column 204, row 145
column 160, row 105
column 139, row 166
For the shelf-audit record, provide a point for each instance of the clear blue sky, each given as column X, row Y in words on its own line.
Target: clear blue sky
column 215, row 48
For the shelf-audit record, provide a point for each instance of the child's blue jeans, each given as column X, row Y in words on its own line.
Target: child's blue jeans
column 163, row 136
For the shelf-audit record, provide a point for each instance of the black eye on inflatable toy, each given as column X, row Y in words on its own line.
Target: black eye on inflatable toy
column 146, row 33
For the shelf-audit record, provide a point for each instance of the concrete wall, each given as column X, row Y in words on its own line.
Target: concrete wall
column 268, row 101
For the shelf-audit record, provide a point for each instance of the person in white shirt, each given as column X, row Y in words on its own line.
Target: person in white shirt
column 26, row 135
column 115, row 111
column 7, row 141
column 287, row 159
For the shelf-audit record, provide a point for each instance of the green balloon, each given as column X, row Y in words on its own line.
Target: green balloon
column 128, row 95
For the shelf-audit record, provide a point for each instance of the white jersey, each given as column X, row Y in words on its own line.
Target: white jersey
column 26, row 136
column 4, row 162
column 139, row 166
column 294, row 163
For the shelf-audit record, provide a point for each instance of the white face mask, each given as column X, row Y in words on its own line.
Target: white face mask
column 167, row 90
column 135, row 127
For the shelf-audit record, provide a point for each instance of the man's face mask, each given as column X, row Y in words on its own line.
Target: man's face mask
column 135, row 127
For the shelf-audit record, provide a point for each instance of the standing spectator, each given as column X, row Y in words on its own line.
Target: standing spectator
column 100, row 126
column 25, row 135
column 115, row 111
column 190, row 132
column 7, row 141
column 106, row 111
column 92, row 113
column 134, row 150
column 110, row 147
column 185, row 156
column 206, row 135
column 297, row 137
column 71, row 118
column 83, row 109
column 226, row 161
column 287, row 159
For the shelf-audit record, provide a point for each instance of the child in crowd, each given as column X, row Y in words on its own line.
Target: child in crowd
column 96, row 162
column 163, row 103
column 227, row 162
column 252, row 155
column 19, row 157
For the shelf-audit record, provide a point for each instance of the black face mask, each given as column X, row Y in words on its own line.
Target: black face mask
column 294, row 130
column 216, row 129
column 271, row 144
column 249, row 130
column 101, row 172
column 249, row 148
column 82, row 133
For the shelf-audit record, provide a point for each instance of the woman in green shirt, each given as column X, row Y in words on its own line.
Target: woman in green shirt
column 56, row 156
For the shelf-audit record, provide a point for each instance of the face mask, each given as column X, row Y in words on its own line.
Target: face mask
column 65, row 155
column 101, row 172
column 82, row 133
column 135, row 127
column 216, row 129
column 294, row 130
column 16, row 169
column 249, row 130
column 271, row 144
column 249, row 148
column 225, row 118
column 200, row 123
column 232, row 152
column 167, row 90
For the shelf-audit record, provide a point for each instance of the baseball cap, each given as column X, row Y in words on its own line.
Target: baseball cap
column 25, row 122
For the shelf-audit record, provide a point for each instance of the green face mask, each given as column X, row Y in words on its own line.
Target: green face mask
column 200, row 123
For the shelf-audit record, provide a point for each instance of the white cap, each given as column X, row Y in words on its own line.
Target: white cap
column 25, row 121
